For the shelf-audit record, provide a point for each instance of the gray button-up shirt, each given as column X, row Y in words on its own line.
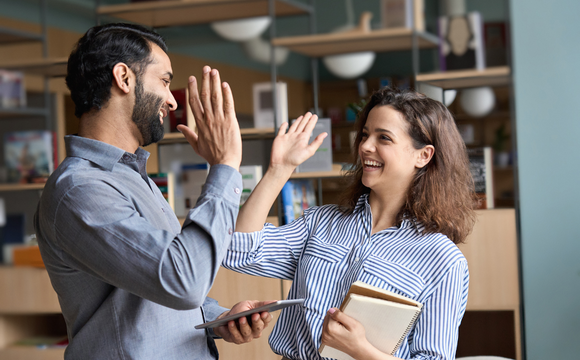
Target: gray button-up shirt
column 131, row 282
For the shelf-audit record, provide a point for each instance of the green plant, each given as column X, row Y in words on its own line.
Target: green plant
column 501, row 139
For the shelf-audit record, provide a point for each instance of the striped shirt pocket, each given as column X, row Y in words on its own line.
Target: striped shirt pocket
column 392, row 276
column 325, row 251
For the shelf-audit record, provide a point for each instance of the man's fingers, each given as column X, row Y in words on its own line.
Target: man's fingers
column 194, row 101
column 245, row 329
column 206, row 91
column 190, row 136
column 216, row 92
column 235, row 335
column 229, row 108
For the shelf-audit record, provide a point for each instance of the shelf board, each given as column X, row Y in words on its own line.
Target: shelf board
column 31, row 353
column 20, row 187
column 335, row 172
column 26, row 290
column 395, row 39
column 12, row 36
column 457, row 79
column 22, row 112
column 189, row 12
column 53, row 67
column 177, row 137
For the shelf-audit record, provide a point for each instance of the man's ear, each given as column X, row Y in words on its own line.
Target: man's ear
column 424, row 156
column 123, row 77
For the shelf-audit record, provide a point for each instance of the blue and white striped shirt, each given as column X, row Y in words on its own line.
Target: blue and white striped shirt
column 325, row 251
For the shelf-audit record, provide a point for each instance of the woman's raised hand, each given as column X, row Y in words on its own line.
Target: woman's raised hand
column 291, row 148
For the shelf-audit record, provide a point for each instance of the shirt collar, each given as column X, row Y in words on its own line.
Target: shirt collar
column 363, row 205
column 100, row 153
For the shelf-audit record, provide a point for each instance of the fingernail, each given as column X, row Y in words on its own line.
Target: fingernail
column 214, row 72
column 242, row 320
column 206, row 69
column 224, row 85
column 191, row 79
column 332, row 310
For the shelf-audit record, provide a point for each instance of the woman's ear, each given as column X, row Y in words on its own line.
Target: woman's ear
column 424, row 155
column 122, row 77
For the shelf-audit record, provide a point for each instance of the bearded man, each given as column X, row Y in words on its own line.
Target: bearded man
column 132, row 283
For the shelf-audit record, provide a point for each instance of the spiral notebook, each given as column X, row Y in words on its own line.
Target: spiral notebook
column 386, row 316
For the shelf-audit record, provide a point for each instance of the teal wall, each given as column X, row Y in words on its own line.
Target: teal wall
column 546, row 49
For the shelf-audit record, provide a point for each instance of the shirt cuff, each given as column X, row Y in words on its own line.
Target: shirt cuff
column 245, row 242
column 224, row 180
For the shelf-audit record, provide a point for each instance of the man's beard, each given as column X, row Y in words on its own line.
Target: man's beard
column 146, row 114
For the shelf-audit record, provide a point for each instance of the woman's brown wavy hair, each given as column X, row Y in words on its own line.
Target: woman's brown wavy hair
column 442, row 195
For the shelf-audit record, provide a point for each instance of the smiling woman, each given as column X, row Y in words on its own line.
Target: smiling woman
column 410, row 200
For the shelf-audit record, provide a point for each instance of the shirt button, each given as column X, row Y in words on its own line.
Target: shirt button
column 237, row 190
column 230, row 231
column 356, row 259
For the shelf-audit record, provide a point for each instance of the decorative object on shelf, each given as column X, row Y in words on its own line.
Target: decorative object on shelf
column 12, row 90
column 251, row 176
column 436, row 93
column 258, row 50
column 349, row 66
column 500, row 149
column 264, row 105
column 12, row 235
column 477, row 102
column 322, row 158
column 496, row 43
column 467, row 133
column 481, row 166
column 297, row 196
column 29, row 156
column 461, row 43
column 397, row 13
column 241, row 29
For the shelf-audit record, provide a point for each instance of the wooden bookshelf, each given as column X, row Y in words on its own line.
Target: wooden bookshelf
column 21, row 187
column 456, row 79
column 26, row 290
column 382, row 40
column 22, row 112
column 189, row 12
column 51, row 67
column 247, row 133
column 335, row 172
column 31, row 353
column 13, row 36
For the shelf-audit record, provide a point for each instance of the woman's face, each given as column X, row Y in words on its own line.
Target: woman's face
column 386, row 151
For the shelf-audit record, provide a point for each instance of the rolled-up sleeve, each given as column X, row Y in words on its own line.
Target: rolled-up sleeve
column 271, row 252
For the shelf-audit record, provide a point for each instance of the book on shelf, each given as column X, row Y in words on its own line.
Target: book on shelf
column 166, row 184
column 193, row 176
column 386, row 316
column 29, row 156
column 297, row 196
column 251, row 176
column 481, row 166
column 322, row 158
column 12, row 90
column 183, row 114
column 461, row 44
column 263, row 100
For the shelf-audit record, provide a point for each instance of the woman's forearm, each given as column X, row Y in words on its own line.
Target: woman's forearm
column 254, row 212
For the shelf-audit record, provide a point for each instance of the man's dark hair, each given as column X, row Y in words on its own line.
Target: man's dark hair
column 90, row 65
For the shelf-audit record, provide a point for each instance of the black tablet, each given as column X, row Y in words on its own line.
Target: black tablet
column 278, row 305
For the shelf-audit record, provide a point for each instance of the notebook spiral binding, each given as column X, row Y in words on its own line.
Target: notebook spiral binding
column 406, row 332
